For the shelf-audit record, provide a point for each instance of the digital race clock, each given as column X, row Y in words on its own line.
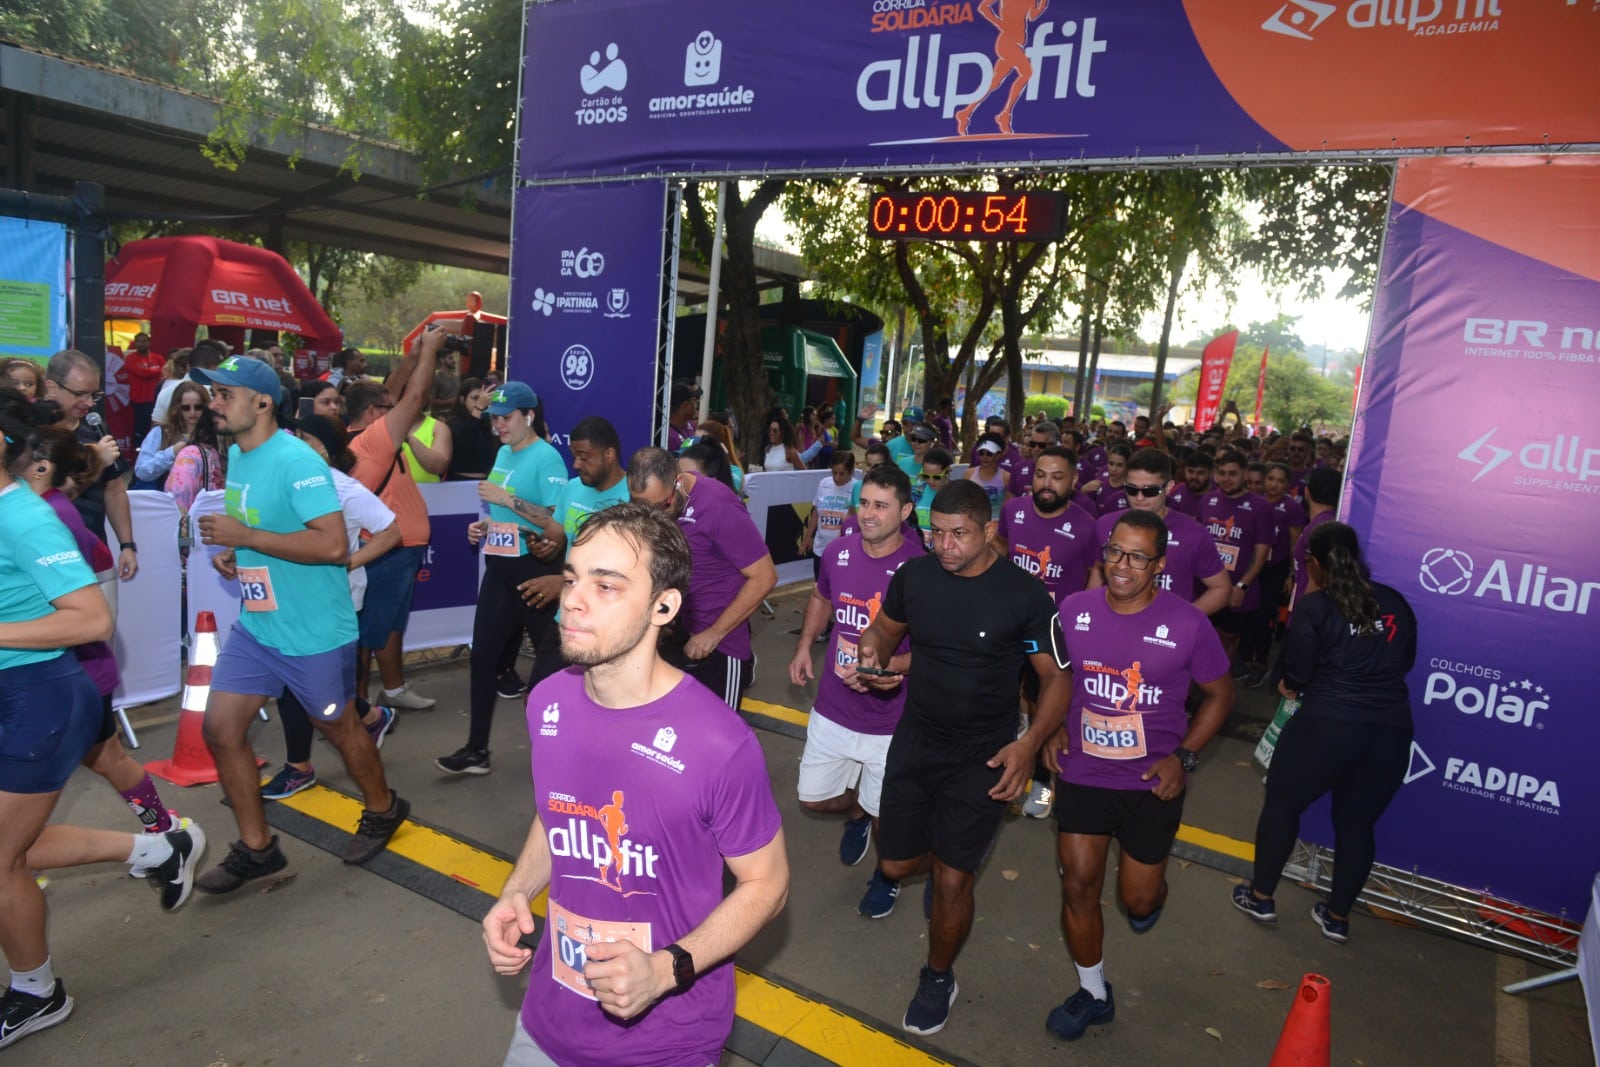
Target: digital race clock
column 968, row 216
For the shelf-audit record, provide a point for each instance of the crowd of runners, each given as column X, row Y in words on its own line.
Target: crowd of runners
column 1060, row 629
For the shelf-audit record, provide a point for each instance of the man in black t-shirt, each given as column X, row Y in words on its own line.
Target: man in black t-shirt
column 955, row 761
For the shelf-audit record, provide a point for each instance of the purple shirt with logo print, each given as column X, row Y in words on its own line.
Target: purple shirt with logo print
column 1191, row 555
column 640, row 806
column 854, row 583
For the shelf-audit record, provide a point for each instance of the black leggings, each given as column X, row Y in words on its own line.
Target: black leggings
column 1255, row 635
column 297, row 728
column 497, row 627
column 1362, row 764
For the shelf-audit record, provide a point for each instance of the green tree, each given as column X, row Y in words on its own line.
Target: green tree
column 1317, row 219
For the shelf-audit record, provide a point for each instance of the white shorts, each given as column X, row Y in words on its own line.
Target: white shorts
column 837, row 758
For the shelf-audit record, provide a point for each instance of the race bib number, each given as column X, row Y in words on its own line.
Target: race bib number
column 831, row 520
column 574, row 934
column 502, row 539
column 1118, row 737
column 844, row 660
column 1229, row 554
column 255, row 586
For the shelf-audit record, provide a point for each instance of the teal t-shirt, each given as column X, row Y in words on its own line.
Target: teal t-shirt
column 579, row 501
column 536, row 473
column 299, row 609
column 39, row 563
column 904, row 458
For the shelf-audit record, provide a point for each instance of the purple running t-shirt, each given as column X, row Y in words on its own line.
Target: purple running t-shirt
column 1130, row 677
column 723, row 540
column 1237, row 524
column 1286, row 514
column 640, row 806
column 1058, row 550
column 854, row 583
column 1181, row 499
column 1191, row 555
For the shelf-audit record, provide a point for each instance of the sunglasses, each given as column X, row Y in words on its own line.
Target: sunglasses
column 191, row 407
column 933, row 477
column 1146, row 491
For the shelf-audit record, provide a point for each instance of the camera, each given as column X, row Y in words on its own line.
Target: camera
column 458, row 343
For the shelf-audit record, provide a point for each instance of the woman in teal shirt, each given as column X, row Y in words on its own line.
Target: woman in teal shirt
column 49, row 718
column 521, row 539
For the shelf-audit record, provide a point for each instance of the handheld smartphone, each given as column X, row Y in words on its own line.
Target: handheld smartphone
column 877, row 672
column 307, row 407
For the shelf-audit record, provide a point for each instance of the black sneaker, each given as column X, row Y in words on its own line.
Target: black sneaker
column 930, row 1008
column 465, row 761
column 23, row 1013
column 241, row 865
column 1080, row 1011
column 174, row 879
column 509, row 685
column 375, row 829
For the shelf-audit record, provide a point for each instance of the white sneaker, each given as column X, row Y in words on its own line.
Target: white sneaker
column 181, row 823
column 1038, row 801
column 408, row 700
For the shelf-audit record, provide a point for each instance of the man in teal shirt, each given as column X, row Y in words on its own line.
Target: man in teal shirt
column 284, row 541
column 600, row 483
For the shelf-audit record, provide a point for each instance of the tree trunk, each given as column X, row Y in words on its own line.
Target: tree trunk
column 1079, row 411
column 1180, row 262
column 1094, row 355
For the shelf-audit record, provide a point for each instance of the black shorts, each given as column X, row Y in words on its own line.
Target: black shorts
column 722, row 674
column 936, row 799
column 1143, row 824
column 1228, row 621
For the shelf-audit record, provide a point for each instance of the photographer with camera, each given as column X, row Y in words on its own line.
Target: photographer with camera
column 380, row 420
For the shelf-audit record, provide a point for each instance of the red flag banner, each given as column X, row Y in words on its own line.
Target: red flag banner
column 1214, row 364
column 1261, row 387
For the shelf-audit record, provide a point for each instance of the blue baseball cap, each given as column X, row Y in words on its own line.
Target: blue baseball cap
column 245, row 372
column 512, row 396
column 912, row 414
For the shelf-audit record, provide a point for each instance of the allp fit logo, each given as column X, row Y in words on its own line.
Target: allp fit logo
column 1541, row 464
column 1423, row 18
column 1452, row 572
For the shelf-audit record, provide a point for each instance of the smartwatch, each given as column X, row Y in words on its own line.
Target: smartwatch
column 682, row 967
column 1241, row 585
column 1189, row 760
column 130, row 545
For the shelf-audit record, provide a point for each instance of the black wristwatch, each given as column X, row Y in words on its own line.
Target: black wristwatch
column 1241, row 585
column 130, row 545
column 1189, row 760
column 682, row 967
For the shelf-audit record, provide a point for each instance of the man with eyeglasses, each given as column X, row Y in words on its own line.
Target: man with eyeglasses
column 1036, row 438
column 1191, row 557
column 918, row 441
column 1128, row 747
column 73, row 381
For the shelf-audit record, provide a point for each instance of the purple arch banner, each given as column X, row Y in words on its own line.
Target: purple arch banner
column 1475, row 487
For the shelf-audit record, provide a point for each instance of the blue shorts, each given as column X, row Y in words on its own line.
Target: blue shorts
column 324, row 683
column 49, row 716
column 391, row 578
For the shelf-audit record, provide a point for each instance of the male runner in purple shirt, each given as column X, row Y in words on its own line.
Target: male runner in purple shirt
column 645, row 788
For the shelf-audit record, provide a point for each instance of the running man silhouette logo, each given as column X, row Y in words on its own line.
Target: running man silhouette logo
column 1133, row 678
column 1011, row 19
column 615, row 824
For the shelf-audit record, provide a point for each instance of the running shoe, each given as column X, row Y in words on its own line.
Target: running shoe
column 1262, row 911
column 22, row 1013
column 174, row 879
column 383, row 726
column 465, row 761
column 1069, row 1019
column 857, row 837
column 137, row 871
column 510, row 685
column 1335, row 930
column 408, row 700
column 375, row 829
column 288, row 781
column 242, row 864
column 878, row 901
column 930, row 1008
column 1145, row 923
column 1038, row 802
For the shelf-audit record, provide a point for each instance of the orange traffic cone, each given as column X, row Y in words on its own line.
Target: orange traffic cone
column 191, row 762
column 1308, row 1030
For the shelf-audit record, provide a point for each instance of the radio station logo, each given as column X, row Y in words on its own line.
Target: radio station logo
column 577, row 367
column 1299, row 19
column 702, row 68
column 1452, row 572
column 600, row 78
column 1541, row 464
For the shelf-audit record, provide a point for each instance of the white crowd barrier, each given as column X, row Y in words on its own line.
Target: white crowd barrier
column 148, row 638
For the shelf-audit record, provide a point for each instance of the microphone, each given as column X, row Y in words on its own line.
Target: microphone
column 96, row 423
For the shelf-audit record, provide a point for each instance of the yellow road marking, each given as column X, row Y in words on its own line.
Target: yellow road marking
column 774, row 711
column 814, row 1026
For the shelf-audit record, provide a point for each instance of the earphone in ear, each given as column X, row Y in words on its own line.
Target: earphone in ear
column 662, row 609
column 528, row 419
